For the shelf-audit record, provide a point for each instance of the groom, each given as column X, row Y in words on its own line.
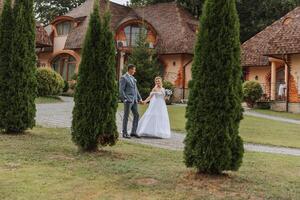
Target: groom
column 131, row 97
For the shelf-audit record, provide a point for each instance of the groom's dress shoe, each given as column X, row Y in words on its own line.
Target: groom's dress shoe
column 135, row 135
column 125, row 135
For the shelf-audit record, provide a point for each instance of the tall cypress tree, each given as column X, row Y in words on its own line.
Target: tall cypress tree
column 110, row 88
column 31, row 90
column 96, row 97
column 6, row 30
column 212, row 144
column 21, row 80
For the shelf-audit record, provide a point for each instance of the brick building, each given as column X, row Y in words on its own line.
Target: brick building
column 272, row 57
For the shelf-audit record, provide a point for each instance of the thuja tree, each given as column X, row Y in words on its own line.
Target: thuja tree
column 20, row 77
column 109, row 95
column 214, row 109
column 146, row 61
column 6, row 24
column 95, row 96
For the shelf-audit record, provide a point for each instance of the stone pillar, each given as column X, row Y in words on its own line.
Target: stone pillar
column 273, row 80
column 121, row 67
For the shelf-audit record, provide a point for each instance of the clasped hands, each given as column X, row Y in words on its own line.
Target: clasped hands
column 142, row 102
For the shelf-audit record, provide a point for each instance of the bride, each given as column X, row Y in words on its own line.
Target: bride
column 155, row 121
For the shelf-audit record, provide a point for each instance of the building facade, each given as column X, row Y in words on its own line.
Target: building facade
column 170, row 29
column 272, row 57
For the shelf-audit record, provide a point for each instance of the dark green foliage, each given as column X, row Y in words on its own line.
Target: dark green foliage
column 20, row 77
column 256, row 15
column 252, row 92
column 147, row 65
column 168, row 85
column 109, row 98
column 47, row 10
column 6, row 24
column 214, row 108
column 96, row 90
column 66, row 86
column 194, row 6
column 49, row 82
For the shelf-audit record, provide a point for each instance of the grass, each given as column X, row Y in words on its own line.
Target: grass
column 278, row 114
column 49, row 99
column 252, row 129
column 270, row 132
column 44, row 164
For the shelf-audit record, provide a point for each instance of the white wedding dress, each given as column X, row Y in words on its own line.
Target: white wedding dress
column 155, row 121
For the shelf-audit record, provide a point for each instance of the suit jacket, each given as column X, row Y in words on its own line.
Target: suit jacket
column 128, row 89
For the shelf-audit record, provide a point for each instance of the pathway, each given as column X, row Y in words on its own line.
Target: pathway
column 60, row 115
column 281, row 119
column 256, row 114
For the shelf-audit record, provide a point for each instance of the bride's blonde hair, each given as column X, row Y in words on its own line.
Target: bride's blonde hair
column 158, row 78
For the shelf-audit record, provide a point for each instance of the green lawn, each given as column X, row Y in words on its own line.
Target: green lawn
column 44, row 164
column 50, row 99
column 264, row 131
column 252, row 129
column 278, row 114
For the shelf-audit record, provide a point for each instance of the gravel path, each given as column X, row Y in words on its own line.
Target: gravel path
column 60, row 115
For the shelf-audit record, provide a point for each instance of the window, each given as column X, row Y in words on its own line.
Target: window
column 65, row 65
column 132, row 33
column 63, row 28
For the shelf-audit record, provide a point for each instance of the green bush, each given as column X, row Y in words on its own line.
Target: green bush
column 72, row 85
column 252, row 92
column 96, row 94
column 66, row 86
column 17, row 67
column 168, row 85
column 214, row 110
column 147, row 65
column 49, row 82
column 266, row 105
column 74, row 77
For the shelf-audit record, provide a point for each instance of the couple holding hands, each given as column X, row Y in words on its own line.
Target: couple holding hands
column 155, row 121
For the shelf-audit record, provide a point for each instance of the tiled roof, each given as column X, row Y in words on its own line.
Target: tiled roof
column 287, row 40
column 42, row 39
column 270, row 41
column 173, row 24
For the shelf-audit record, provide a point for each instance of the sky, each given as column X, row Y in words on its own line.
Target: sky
column 122, row 2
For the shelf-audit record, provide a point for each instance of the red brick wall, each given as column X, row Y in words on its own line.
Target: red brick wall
column 293, row 91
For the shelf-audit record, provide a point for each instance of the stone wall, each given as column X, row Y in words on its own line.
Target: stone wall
column 278, row 106
column 294, row 107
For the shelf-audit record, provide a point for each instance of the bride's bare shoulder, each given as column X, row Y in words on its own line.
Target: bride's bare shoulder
column 154, row 89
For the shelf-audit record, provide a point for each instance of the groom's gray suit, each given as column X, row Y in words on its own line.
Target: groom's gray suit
column 130, row 96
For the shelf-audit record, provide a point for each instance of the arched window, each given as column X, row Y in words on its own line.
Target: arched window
column 64, row 28
column 65, row 65
column 132, row 33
